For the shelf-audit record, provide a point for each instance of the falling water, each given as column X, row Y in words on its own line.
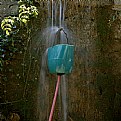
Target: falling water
column 43, row 97
column 64, row 97
column 55, row 33
column 60, row 17
column 58, row 9
column 52, row 13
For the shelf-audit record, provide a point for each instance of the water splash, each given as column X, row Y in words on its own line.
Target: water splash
column 55, row 33
column 56, row 14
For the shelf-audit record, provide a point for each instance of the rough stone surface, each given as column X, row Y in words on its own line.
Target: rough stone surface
column 94, row 86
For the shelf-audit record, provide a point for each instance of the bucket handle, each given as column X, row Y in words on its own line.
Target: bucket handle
column 61, row 29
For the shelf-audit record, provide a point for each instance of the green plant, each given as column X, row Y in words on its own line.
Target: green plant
column 11, row 26
column 7, row 49
column 7, row 24
column 26, row 12
column 27, row 2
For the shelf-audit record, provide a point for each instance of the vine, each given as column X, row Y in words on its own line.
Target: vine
column 11, row 43
column 11, row 25
column 26, row 13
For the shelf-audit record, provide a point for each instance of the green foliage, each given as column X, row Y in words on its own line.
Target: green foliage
column 1, row 64
column 1, row 52
column 7, row 24
column 7, row 50
column 23, row 14
column 27, row 2
column 26, row 12
column 10, row 26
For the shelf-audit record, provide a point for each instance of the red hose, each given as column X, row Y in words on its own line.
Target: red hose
column 54, row 99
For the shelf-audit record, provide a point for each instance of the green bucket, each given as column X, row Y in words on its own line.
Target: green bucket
column 60, row 58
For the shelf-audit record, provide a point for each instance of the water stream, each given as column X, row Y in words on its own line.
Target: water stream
column 43, row 91
column 56, row 27
column 55, row 33
column 64, row 92
column 58, row 10
column 55, row 37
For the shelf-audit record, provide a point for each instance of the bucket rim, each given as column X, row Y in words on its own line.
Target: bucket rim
column 62, row 44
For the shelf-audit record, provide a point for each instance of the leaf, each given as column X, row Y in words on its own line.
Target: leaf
column 24, row 21
column 6, row 26
column 36, row 13
column 11, row 21
column 22, row 8
column 25, row 17
column 23, row 13
column 7, row 29
column 2, row 23
column 7, row 32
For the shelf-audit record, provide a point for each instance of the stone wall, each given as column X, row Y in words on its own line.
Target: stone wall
column 93, row 91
